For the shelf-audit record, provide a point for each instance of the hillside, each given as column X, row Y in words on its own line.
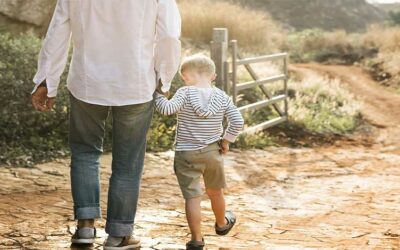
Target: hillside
column 389, row 6
column 350, row 15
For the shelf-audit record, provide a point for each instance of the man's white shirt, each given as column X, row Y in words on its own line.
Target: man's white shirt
column 121, row 48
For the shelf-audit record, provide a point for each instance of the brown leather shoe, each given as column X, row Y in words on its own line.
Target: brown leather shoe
column 128, row 242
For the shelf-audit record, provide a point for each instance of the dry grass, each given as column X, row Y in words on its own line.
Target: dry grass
column 254, row 30
column 317, row 103
column 323, row 105
column 387, row 41
column 322, row 46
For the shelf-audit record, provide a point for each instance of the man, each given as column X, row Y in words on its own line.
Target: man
column 121, row 49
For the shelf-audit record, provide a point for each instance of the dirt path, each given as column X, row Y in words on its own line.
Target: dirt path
column 345, row 196
column 381, row 106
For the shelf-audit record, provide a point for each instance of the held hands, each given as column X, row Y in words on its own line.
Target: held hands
column 40, row 101
column 159, row 90
column 224, row 146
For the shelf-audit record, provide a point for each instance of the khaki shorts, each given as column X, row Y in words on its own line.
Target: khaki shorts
column 189, row 166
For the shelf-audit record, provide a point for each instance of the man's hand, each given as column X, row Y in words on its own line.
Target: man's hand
column 159, row 90
column 224, row 145
column 40, row 101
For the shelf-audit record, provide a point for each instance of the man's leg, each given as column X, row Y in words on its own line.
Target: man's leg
column 130, row 126
column 193, row 216
column 87, row 122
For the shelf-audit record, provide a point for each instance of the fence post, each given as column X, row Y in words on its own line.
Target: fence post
column 219, row 54
column 286, row 72
column 234, row 70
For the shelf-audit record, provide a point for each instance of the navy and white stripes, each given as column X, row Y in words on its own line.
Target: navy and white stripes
column 199, row 125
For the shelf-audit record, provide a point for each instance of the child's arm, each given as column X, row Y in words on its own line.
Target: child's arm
column 235, row 125
column 169, row 107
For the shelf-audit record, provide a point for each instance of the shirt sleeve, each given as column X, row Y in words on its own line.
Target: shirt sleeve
column 235, row 122
column 169, row 107
column 54, row 52
column 168, row 45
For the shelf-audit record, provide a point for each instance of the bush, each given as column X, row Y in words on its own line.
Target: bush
column 394, row 17
column 254, row 30
column 27, row 136
column 321, row 46
column 386, row 65
column 321, row 105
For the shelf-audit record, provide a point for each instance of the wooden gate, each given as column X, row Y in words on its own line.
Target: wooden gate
column 227, row 59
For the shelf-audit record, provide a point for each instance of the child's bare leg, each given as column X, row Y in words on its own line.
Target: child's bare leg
column 218, row 205
column 193, row 216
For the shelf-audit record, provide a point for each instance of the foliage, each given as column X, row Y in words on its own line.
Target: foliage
column 386, row 65
column 394, row 17
column 321, row 46
column 321, row 105
column 27, row 136
column 317, row 104
column 255, row 30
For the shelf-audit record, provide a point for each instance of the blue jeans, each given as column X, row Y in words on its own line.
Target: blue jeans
column 87, row 127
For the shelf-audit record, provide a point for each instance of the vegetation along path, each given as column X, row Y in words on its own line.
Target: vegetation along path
column 340, row 196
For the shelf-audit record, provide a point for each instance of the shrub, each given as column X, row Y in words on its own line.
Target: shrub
column 27, row 136
column 321, row 46
column 321, row 105
column 254, row 30
column 394, row 17
column 386, row 64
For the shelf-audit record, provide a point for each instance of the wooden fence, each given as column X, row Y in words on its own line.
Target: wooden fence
column 227, row 59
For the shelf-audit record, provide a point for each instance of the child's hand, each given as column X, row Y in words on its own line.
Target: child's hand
column 224, row 145
column 159, row 90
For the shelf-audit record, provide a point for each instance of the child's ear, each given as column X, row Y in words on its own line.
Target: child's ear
column 183, row 76
column 213, row 77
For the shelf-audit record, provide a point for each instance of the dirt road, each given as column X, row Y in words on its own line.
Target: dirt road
column 345, row 196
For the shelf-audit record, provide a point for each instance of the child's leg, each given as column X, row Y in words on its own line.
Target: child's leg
column 193, row 216
column 218, row 205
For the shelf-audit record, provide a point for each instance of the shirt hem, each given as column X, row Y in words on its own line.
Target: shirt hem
column 194, row 149
column 77, row 96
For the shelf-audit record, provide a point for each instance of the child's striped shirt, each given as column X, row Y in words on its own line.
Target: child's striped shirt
column 200, row 124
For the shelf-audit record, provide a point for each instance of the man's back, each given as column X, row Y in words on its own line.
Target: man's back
column 119, row 47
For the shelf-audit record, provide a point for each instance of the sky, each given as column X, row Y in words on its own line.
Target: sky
column 384, row 1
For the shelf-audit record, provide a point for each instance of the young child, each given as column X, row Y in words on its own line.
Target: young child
column 201, row 109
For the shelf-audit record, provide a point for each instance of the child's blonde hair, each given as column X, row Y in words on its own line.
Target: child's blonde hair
column 199, row 63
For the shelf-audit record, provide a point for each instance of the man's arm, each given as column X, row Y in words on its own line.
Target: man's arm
column 168, row 45
column 169, row 107
column 54, row 53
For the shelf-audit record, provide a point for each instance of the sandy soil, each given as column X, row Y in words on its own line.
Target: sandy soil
column 341, row 196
